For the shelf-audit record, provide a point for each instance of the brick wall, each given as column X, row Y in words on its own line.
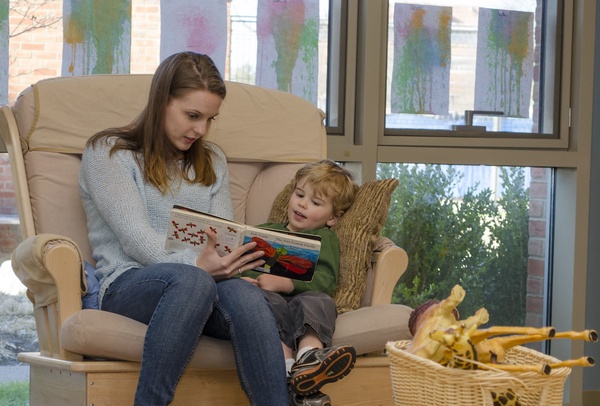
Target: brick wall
column 37, row 54
column 537, row 249
column 538, row 211
column 9, row 228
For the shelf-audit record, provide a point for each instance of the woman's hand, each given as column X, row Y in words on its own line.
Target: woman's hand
column 236, row 262
column 275, row 283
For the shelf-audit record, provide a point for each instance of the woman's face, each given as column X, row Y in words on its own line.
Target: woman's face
column 188, row 118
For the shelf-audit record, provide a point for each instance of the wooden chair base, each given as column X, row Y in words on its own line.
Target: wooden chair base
column 59, row 382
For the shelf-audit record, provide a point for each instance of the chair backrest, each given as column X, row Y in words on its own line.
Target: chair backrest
column 266, row 135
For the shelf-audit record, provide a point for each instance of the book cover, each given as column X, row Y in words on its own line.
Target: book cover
column 288, row 254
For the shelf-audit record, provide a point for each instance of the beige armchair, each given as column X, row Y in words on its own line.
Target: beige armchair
column 91, row 357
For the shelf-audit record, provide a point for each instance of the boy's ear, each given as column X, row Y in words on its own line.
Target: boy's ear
column 334, row 219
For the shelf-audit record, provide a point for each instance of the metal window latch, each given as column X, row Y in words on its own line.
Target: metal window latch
column 468, row 126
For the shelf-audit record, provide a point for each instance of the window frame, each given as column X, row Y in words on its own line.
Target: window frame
column 570, row 154
column 556, row 60
column 558, row 114
column 336, row 54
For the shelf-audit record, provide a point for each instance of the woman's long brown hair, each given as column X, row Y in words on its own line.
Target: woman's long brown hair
column 145, row 136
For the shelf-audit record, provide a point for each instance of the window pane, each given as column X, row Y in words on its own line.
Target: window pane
column 483, row 227
column 447, row 57
column 281, row 45
column 10, row 230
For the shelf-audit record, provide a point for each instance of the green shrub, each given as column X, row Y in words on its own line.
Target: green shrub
column 476, row 241
column 14, row 393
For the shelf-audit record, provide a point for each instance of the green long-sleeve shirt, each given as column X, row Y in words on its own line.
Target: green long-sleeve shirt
column 325, row 278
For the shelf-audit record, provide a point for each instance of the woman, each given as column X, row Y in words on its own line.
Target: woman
column 129, row 180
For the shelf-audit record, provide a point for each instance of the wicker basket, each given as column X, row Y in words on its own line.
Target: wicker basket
column 417, row 381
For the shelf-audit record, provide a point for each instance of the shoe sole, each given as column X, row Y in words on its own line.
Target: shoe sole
column 333, row 368
column 304, row 402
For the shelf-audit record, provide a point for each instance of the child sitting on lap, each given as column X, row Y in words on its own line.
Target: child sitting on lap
column 305, row 311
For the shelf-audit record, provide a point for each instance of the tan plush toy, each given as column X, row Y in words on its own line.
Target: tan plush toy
column 439, row 335
column 437, row 315
column 433, row 315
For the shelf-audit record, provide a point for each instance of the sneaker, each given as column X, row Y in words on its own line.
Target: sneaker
column 316, row 399
column 321, row 366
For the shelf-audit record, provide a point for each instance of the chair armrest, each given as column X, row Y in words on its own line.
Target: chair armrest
column 389, row 265
column 51, row 268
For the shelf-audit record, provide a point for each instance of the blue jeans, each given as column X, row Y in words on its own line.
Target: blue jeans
column 179, row 303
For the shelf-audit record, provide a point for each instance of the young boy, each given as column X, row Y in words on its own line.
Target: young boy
column 305, row 311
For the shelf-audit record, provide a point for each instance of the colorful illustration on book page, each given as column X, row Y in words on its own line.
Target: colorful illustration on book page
column 421, row 66
column 192, row 25
column 288, row 44
column 97, row 37
column 504, row 72
column 284, row 259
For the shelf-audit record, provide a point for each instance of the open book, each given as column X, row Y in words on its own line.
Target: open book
column 288, row 254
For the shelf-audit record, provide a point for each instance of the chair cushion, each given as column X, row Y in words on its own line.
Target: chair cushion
column 368, row 329
column 254, row 123
column 54, row 193
column 254, row 186
column 358, row 231
column 85, row 332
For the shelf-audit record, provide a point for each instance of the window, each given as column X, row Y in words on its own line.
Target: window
column 463, row 70
column 258, row 46
column 483, row 227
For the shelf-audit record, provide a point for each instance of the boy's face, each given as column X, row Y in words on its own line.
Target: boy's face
column 308, row 211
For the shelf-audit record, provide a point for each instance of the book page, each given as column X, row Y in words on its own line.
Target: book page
column 286, row 254
column 187, row 231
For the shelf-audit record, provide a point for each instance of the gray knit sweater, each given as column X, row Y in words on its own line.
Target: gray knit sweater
column 127, row 219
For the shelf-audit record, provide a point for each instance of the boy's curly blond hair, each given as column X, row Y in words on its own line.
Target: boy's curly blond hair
column 331, row 180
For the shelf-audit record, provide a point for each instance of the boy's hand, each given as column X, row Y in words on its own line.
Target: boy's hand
column 249, row 279
column 275, row 283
